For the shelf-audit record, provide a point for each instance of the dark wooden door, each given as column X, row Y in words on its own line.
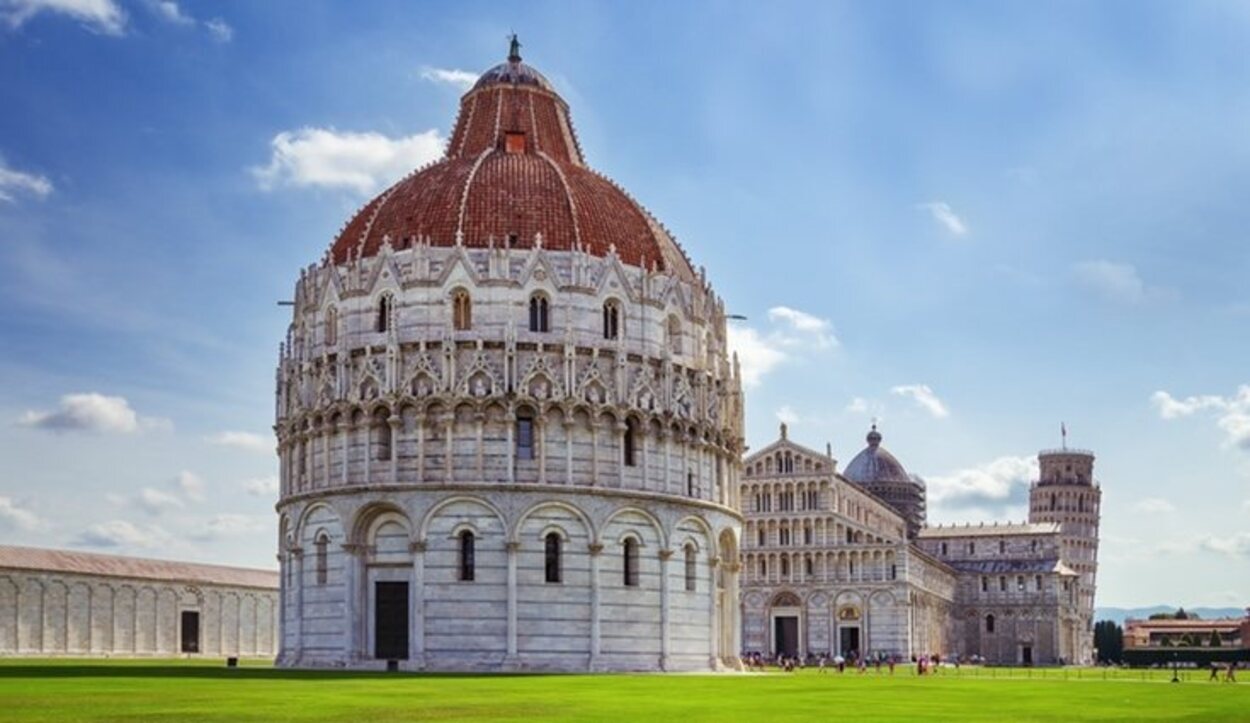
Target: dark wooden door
column 849, row 640
column 190, row 631
column 786, row 636
column 390, row 614
column 1027, row 654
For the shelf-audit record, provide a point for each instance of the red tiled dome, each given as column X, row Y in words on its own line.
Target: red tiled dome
column 513, row 170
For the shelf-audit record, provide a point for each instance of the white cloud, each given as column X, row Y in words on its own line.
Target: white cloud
column 1235, row 545
column 229, row 525
column 944, row 215
column 857, row 405
column 993, row 486
column 91, row 412
column 191, row 485
column 100, row 16
column 13, row 182
column 219, row 30
column 922, row 395
column 248, row 441
column 804, row 329
column 756, row 355
column 361, row 162
column 154, row 501
column 169, row 10
column 1154, row 505
column 262, row 487
column 787, row 415
column 461, row 79
column 1116, row 282
column 1233, row 412
column 791, row 332
column 120, row 533
column 15, row 516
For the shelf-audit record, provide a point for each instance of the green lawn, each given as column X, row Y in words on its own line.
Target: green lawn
column 64, row 690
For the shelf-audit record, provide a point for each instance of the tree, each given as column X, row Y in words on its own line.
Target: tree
column 1215, row 639
column 1180, row 614
column 1109, row 639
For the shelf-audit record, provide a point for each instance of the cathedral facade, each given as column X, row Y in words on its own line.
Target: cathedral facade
column 509, row 430
column 843, row 564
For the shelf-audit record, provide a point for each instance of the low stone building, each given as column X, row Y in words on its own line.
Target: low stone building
column 61, row 602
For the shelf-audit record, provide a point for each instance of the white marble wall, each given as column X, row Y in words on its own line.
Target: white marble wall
column 46, row 613
column 508, row 617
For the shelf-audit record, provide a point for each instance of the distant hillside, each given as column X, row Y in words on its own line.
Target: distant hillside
column 1121, row 614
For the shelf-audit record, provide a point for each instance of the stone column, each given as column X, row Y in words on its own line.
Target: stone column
column 732, row 609
column 644, row 459
column 449, row 443
column 344, row 430
column 713, row 613
column 326, row 432
column 511, row 657
column 594, row 452
column 595, row 623
column 420, row 422
column 480, row 418
column 416, row 636
column 368, row 448
column 665, row 647
column 667, row 433
column 540, row 430
column 395, row 421
column 296, row 560
column 568, row 450
column 352, row 607
column 620, row 454
column 510, row 420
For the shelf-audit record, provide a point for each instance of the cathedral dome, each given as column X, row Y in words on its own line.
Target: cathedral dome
column 512, row 176
column 875, row 464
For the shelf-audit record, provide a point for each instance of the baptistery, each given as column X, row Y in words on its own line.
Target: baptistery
column 509, row 428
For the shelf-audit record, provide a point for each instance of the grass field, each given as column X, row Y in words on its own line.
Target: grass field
column 65, row 690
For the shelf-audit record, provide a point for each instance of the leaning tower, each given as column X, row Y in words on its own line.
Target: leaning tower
column 1066, row 493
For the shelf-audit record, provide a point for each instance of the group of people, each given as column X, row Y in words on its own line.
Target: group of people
column 1230, row 672
column 789, row 663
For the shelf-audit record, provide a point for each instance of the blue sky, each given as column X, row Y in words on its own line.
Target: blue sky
column 969, row 221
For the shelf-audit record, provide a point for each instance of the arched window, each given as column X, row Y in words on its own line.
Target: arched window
column 461, row 310
column 630, row 562
column 467, row 566
column 1002, row 547
column 785, row 566
column 385, row 313
column 690, row 491
column 691, row 568
column 1052, row 501
column 539, row 313
column 332, row 326
column 323, row 558
column 760, row 534
column 630, row 427
column 381, row 436
column 524, row 435
column 551, row 559
column 807, row 566
column 611, row 319
column 989, row 623
column 674, row 334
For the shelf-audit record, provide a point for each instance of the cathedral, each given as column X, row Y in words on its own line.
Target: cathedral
column 508, row 426
column 510, row 437
column 844, row 564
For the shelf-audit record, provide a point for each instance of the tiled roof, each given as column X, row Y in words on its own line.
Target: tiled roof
column 483, row 192
column 90, row 563
column 991, row 530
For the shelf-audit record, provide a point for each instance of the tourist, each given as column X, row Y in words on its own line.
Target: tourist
column 1215, row 672
column 1230, row 676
